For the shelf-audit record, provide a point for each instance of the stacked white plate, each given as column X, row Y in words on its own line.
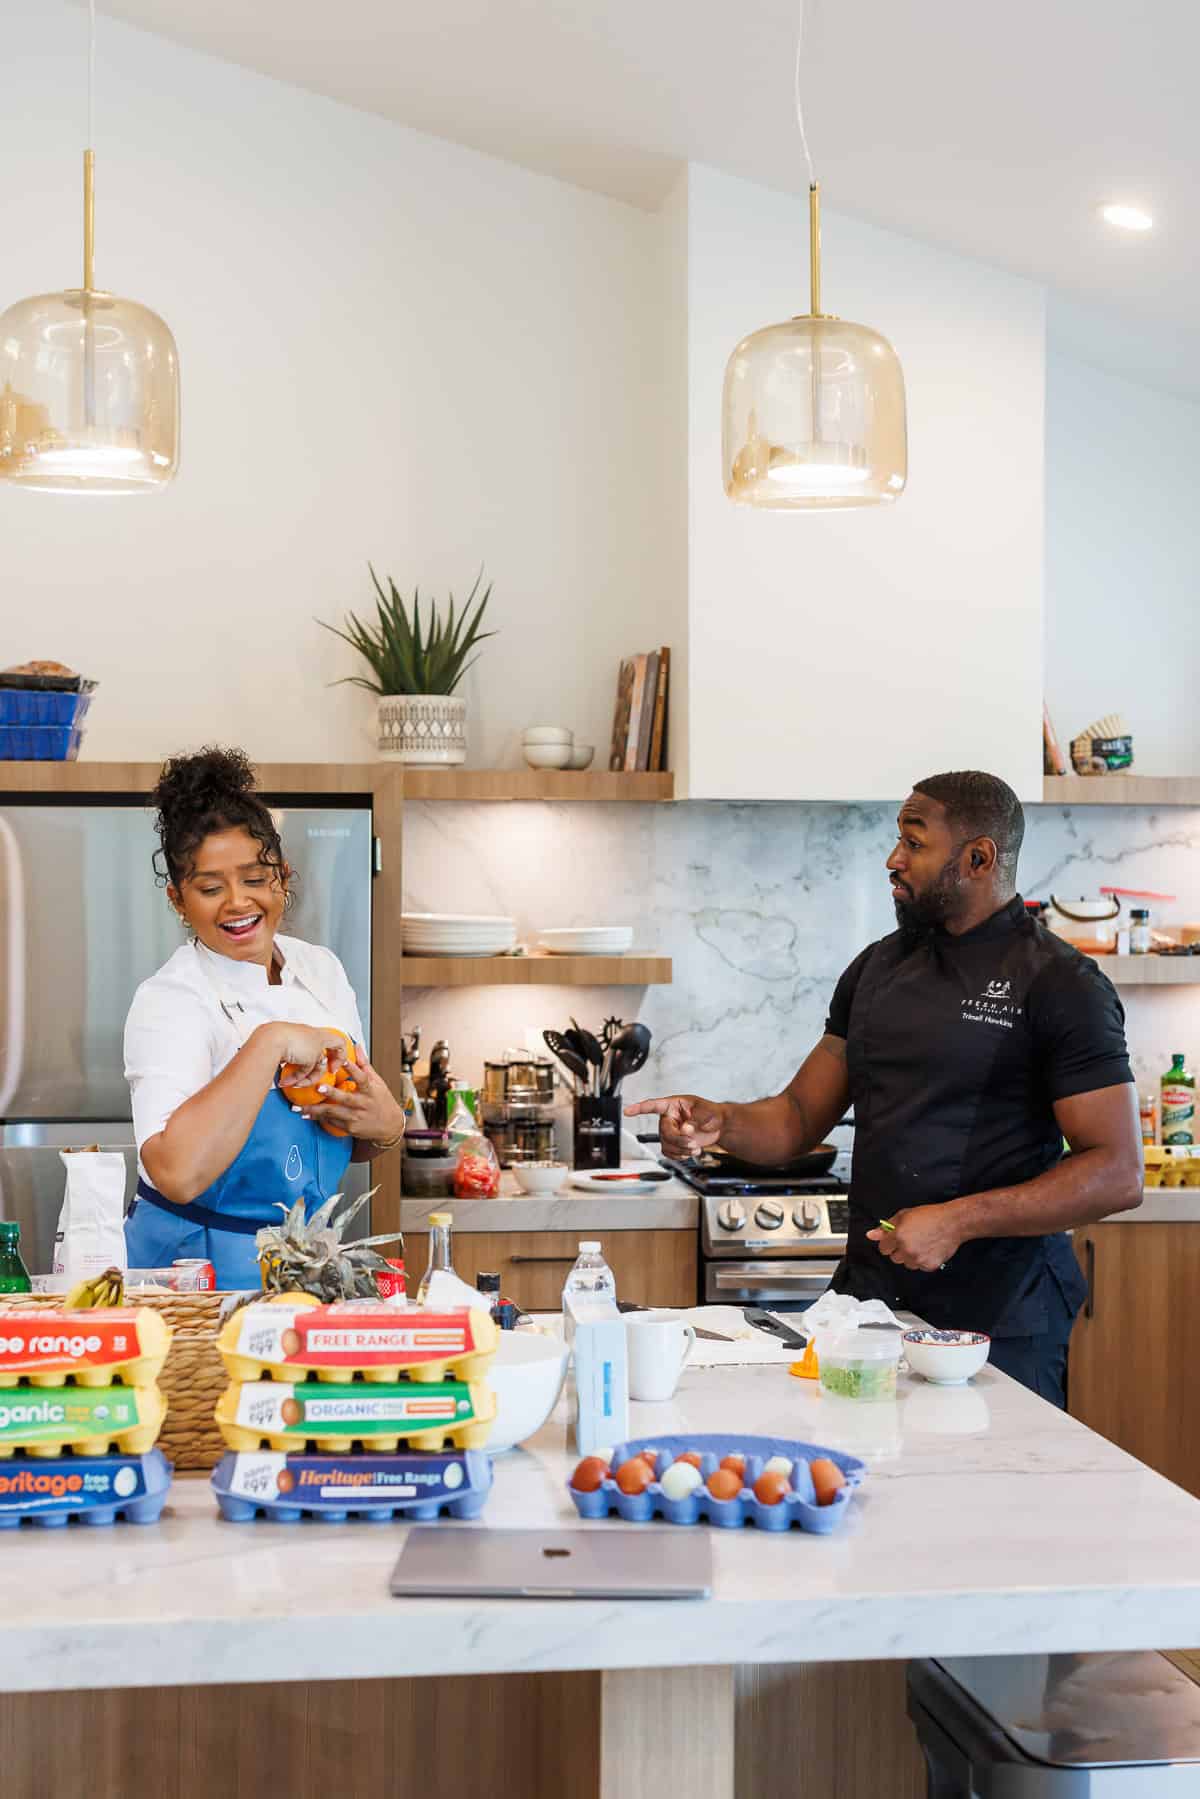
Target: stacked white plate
column 588, row 940
column 456, row 934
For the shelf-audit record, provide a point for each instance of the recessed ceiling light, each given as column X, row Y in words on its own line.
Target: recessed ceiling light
column 1126, row 218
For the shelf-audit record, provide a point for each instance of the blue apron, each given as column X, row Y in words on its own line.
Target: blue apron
column 285, row 1157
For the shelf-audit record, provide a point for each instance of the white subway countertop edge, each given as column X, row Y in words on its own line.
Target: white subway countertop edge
column 671, row 1206
column 987, row 1517
column 1161, row 1205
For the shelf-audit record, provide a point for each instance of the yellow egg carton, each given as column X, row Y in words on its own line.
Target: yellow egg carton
column 294, row 1337
column 87, row 1420
column 44, row 1348
column 381, row 1415
column 1172, row 1165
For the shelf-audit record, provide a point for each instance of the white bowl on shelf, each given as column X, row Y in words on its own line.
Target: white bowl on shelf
column 581, row 756
column 587, row 940
column 526, row 1377
column 548, row 734
column 540, row 1177
column 547, row 755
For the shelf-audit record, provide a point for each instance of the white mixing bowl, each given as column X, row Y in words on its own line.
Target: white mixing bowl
column 526, row 1377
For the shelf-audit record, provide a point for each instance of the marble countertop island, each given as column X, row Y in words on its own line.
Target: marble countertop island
column 988, row 1521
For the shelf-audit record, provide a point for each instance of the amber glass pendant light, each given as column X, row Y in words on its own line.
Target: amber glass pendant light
column 89, row 384
column 813, row 414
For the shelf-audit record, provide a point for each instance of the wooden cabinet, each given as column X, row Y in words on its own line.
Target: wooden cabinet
column 1136, row 1345
column 652, row 1268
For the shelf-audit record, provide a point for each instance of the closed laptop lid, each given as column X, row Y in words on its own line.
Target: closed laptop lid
column 615, row 1563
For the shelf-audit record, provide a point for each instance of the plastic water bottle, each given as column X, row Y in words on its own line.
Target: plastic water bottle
column 591, row 1278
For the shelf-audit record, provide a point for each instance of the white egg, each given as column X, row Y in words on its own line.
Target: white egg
column 778, row 1464
column 680, row 1479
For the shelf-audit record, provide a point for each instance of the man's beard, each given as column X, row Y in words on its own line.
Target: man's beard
column 918, row 915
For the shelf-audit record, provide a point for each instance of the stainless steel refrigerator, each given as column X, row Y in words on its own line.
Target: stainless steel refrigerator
column 82, row 921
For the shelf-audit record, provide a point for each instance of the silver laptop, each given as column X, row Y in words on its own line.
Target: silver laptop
column 554, row 1564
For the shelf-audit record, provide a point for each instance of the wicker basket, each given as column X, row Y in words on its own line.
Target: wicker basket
column 192, row 1379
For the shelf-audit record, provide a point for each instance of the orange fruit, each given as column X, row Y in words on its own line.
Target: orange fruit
column 339, row 1079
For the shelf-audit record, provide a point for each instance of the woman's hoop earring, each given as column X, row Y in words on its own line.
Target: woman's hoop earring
column 288, row 897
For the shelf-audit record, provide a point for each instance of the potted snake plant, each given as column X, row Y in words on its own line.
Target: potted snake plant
column 416, row 664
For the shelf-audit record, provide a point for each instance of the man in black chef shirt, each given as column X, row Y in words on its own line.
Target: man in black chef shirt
column 970, row 1042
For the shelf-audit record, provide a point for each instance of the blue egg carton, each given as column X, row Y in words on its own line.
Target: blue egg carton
column 95, row 1489
column 798, row 1507
column 412, row 1487
column 20, row 706
column 40, row 743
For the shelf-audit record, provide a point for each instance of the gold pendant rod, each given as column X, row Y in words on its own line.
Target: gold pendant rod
column 89, row 220
column 814, row 248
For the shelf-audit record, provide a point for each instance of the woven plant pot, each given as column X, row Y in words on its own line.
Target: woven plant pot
column 424, row 729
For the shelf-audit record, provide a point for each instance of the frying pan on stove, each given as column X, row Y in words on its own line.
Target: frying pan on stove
column 802, row 1168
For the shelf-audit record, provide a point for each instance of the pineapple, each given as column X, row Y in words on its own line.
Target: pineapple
column 310, row 1257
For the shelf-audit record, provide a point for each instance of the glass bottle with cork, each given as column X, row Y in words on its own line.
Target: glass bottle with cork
column 1178, row 1104
column 14, row 1276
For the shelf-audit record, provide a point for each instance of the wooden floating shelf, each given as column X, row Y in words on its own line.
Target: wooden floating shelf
column 535, row 971
column 533, row 784
column 1121, row 790
column 1151, row 971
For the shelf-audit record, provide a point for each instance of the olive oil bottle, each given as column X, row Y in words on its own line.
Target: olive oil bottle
column 1178, row 1104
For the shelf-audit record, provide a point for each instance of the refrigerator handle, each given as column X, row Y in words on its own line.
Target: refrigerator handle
column 376, row 856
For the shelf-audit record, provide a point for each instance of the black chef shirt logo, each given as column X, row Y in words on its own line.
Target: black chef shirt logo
column 995, row 1006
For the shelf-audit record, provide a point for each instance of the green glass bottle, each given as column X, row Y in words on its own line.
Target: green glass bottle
column 14, row 1276
column 1178, row 1104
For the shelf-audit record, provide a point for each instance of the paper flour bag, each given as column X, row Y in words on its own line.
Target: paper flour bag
column 91, row 1225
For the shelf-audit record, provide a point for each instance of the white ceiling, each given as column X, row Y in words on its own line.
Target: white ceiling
column 995, row 130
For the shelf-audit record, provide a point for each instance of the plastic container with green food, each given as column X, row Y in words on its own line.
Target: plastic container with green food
column 859, row 1364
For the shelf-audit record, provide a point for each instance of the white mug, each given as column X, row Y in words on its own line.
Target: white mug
column 659, row 1346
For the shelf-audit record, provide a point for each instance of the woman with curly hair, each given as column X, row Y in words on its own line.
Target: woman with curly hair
column 219, row 1144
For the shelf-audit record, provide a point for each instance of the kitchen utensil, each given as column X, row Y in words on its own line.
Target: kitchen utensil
column 628, row 1052
column 763, row 1321
column 589, row 1044
column 651, row 1174
column 571, row 1058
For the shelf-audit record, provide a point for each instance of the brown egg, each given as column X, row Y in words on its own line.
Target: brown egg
column 589, row 1474
column 724, row 1484
column 770, row 1487
column 736, row 1462
column 827, row 1478
column 635, row 1475
column 692, row 1456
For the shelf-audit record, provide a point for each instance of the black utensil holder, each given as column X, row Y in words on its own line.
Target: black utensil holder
column 598, row 1132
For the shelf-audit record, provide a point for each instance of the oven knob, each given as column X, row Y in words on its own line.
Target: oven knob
column 769, row 1215
column 730, row 1215
column 807, row 1215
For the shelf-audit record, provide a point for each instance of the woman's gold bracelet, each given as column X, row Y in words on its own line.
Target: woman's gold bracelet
column 390, row 1143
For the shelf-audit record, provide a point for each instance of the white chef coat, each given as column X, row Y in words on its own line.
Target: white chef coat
column 178, row 1038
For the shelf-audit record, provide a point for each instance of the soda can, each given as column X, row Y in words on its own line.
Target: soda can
column 192, row 1274
column 391, row 1285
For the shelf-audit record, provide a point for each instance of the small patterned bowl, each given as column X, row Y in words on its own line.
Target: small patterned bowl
column 947, row 1358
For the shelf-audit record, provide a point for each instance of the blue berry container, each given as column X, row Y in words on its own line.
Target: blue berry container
column 798, row 1507
column 40, row 743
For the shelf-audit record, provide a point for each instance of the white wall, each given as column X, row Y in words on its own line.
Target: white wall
column 1122, row 555
column 843, row 655
column 390, row 347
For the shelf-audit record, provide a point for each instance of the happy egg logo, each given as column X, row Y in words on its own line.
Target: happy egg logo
column 293, row 1168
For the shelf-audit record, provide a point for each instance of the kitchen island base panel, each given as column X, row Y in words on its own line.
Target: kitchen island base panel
column 831, row 1731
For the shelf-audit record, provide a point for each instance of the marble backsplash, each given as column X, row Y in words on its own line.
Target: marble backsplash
column 760, row 906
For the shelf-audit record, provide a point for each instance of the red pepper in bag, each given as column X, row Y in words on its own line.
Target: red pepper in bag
column 477, row 1170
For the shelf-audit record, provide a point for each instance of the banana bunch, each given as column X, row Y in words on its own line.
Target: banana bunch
column 107, row 1289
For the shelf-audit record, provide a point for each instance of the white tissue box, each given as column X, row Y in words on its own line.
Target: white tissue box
column 601, row 1377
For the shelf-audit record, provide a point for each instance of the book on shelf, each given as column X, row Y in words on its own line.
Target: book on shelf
column 1053, row 760
column 620, row 733
column 635, row 714
column 639, row 739
column 658, row 731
